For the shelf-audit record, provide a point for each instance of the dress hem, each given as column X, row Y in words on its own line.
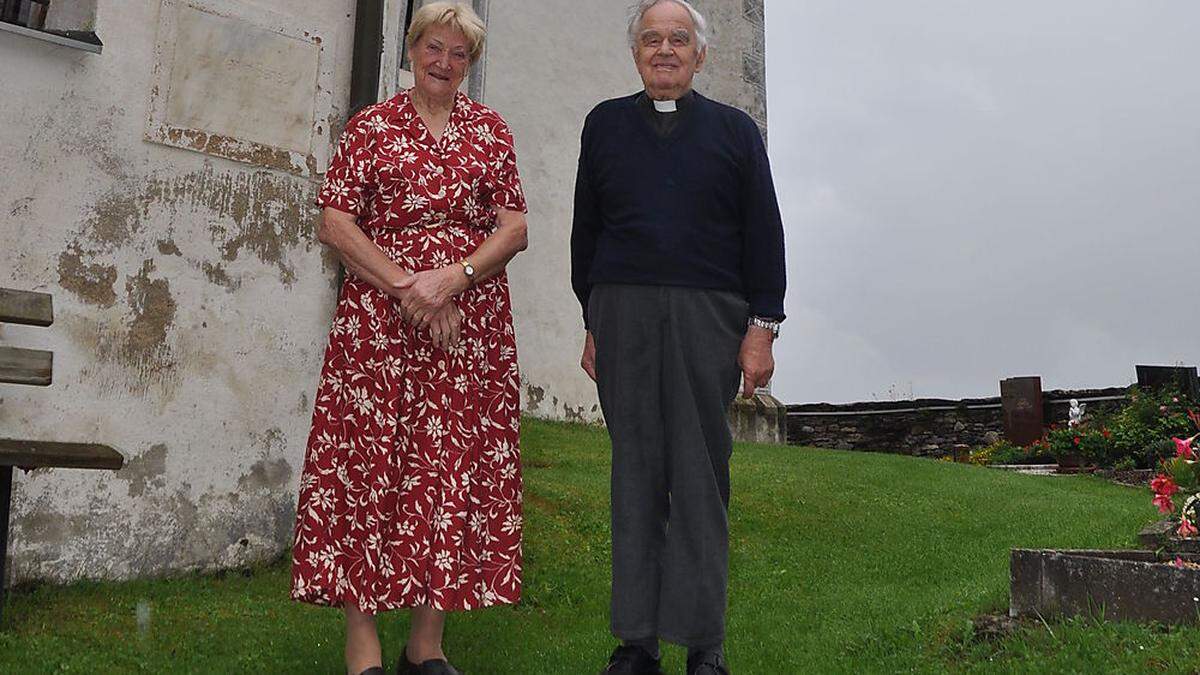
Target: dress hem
column 321, row 600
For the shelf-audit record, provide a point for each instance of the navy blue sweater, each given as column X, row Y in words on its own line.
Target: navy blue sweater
column 695, row 208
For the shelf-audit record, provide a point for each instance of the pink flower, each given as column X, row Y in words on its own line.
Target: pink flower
column 1178, row 562
column 1195, row 418
column 1183, row 448
column 1162, row 409
column 1186, row 528
column 1164, row 485
column 1175, row 399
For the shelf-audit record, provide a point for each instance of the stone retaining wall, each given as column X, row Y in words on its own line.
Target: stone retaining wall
column 924, row 427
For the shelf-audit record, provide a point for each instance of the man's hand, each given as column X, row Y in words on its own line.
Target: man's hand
column 755, row 359
column 589, row 356
column 428, row 293
column 445, row 326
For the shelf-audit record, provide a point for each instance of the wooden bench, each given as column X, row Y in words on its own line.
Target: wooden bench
column 35, row 367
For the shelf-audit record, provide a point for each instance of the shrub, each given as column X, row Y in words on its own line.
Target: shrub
column 1137, row 432
column 1000, row 452
column 1125, row 464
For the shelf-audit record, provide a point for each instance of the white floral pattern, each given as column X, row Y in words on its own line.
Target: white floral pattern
column 411, row 490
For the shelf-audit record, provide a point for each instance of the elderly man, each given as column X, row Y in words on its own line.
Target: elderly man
column 678, row 262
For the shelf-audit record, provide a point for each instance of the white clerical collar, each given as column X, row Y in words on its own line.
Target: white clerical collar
column 665, row 106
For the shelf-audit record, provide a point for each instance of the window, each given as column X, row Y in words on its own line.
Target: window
column 66, row 22
column 27, row 13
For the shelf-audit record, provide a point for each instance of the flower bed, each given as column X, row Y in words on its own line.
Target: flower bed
column 1136, row 436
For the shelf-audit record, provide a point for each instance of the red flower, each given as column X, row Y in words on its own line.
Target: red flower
column 1183, row 448
column 1164, row 485
column 1106, row 433
column 1186, row 528
column 1077, row 439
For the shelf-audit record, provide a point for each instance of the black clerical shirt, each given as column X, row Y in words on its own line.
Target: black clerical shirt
column 664, row 123
column 684, row 202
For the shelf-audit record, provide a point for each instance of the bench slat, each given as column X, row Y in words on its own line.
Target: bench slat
column 26, row 307
column 26, row 366
column 38, row 454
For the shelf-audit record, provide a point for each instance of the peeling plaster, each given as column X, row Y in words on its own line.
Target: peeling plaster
column 92, row 283
column 216, row 274
column 145, row 470
column 534, row 396
column 152, row 315
column 168, row 247
column 260, row 213
column 270, row 475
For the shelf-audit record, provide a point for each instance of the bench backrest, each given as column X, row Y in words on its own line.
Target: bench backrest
column 26, row 366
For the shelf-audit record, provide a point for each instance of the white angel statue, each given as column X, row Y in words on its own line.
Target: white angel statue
column 1076, row 413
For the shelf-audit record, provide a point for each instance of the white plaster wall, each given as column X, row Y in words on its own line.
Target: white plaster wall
column 546, row 69
column 192, row 305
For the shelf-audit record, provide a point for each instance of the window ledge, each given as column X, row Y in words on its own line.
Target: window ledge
column 87, row 41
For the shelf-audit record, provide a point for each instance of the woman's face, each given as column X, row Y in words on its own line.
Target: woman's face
column 440, row 59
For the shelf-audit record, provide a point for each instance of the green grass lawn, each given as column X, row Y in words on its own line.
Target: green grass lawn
column 841, row 562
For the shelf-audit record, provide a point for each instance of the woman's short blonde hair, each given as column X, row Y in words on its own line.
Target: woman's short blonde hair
column 454, row 14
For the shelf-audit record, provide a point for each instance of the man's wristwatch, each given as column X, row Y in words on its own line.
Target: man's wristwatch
column 469, row 270
column 766, row 324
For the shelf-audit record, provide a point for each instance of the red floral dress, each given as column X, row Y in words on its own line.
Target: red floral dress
column 411, row 490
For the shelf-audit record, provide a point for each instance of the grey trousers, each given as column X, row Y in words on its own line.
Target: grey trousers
column 666, row 367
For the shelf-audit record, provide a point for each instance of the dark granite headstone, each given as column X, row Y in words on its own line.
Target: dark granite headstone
column 1021, row 401
column 1182, row 378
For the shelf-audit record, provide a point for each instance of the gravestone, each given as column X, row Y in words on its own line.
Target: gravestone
column 1021, row 402
column 1182, row 378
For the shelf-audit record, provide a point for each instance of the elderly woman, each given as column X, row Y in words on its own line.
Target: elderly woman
column 411, row 491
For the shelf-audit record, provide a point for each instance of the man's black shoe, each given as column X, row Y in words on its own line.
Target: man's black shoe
column 631, row 660
column 707, row 663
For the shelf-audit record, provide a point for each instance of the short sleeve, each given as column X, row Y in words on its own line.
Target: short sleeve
column 349, row 181
column 505, row 181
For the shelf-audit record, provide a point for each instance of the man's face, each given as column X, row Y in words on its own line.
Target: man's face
column 666, row 51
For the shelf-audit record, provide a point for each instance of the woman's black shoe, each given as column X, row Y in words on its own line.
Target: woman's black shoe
column 375, row 670
column 430, row 667
column 631, row 660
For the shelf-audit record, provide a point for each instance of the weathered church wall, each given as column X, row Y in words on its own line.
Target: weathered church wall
column 191, row 296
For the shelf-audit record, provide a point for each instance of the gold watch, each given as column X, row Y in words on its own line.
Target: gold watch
column 469, row 270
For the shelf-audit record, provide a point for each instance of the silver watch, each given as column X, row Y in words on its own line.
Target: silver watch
column 767, row 324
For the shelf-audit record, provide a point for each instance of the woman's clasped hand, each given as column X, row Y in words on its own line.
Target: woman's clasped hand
column 426, row 301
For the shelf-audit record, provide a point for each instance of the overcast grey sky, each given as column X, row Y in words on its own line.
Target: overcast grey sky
column 979, row 190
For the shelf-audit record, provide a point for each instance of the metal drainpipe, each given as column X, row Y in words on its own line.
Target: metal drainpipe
column 364, row 68
column 368, row 46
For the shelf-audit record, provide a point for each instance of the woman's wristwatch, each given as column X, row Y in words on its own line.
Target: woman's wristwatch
column 766, row 324
column 469, row 270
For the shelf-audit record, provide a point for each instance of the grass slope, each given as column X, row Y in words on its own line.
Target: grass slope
column 842, row 562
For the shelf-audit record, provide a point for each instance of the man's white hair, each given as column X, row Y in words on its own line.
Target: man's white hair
column 639, row 10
